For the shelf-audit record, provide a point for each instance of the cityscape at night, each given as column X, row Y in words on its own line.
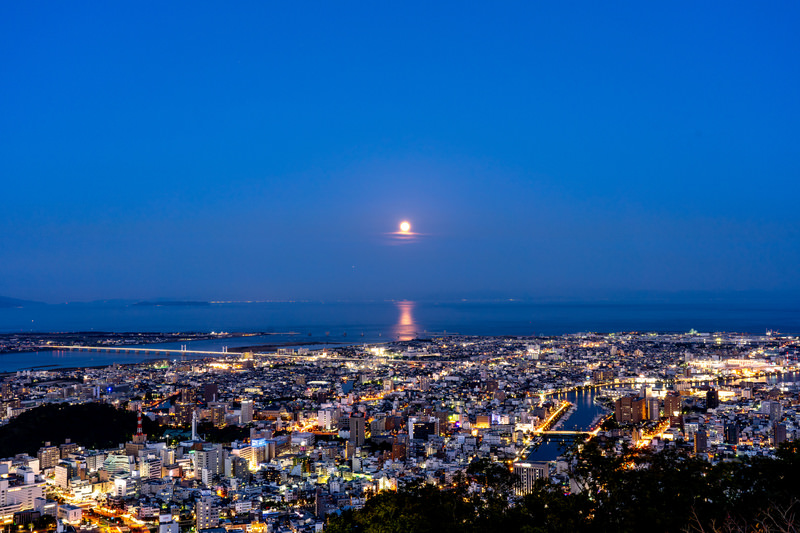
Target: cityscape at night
column 377, row 268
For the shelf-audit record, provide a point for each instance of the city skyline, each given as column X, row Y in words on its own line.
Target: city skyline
column 262, row 152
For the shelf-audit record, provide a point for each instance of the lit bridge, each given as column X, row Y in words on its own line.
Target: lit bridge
column 136, row 351
column 559, row 432
column 180, row 352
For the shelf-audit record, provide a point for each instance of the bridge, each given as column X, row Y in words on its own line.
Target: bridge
column 135, row 351
column 181, row 352
column 562, row 433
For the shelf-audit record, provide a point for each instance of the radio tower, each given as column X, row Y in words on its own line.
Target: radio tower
column 140, row 437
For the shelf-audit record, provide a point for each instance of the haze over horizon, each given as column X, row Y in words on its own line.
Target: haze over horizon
column 270, row 152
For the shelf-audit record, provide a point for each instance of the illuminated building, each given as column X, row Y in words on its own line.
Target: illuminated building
column 357, row 430
column 328, row 418
column 483, row 421
column 94, row 461
column 237, row 467
column 18, row 492
column 48, row 456
column 62, row 475
column 188, row 396
column 700, row 441
column 630, row 409
column 206, row 511
column 246, row 412
column 167, row 525
column 772, row 408
column 124, row 486
column 422, row 428
column 184, row 412
column 69, row 513
column 527, row 474
column 602, row 375
column 672, row 408
column 653, row 408
column 207, row 462
column 150, row 467
column 67, row 448
column 218, row 412
column 117, row 464
column 398, row 451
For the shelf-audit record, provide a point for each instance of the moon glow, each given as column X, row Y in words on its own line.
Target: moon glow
column 405, row 226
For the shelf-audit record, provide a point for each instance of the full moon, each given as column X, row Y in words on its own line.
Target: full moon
column 405, row 227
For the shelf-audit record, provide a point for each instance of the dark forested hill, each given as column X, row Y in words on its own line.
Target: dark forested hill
column 631, row 492
column 93, row 425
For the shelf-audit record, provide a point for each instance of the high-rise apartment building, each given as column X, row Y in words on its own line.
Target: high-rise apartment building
column 357, row 430
column 630, row 409
column 48, row 456
column 731, row 433
column 653, row 408
column 672, row 407
column 246, row 412
column 527, row 474
column 700, row 441
column 206, row 511
column 218, row 412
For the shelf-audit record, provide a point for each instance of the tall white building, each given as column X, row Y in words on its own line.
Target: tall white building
column 124, row 486
column 246, row 413
column 327, row 418
column 207, row 511
column 527, row 474
column 150, row 467
column 18, row 494
column 208, row 462
column 62, row 476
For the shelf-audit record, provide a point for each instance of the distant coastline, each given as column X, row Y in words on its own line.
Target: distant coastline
column 172, row 303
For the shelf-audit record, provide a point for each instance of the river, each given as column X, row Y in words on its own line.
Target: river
column 585, row 413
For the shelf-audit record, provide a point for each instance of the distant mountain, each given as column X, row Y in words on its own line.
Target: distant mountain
column 172, row 303
column 6, row 302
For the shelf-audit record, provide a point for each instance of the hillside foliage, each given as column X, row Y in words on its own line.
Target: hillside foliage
column 637, row 490
column 93, row 425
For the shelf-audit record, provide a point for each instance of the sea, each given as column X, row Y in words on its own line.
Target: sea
column 320, row 324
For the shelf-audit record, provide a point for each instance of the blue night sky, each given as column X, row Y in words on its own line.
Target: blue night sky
column 269, row 150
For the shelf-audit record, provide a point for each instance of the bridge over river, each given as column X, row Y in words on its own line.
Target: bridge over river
column 576, row 422
column 183, row 352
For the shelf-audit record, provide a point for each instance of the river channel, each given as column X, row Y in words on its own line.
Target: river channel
column 586, row 412
column 582, row 417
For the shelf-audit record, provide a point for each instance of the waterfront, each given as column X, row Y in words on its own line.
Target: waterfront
column 319, row 324
column 484, row 393
column 585, row 413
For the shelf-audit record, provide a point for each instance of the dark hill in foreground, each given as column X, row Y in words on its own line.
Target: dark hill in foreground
column 629, row 492
column 93, row 425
